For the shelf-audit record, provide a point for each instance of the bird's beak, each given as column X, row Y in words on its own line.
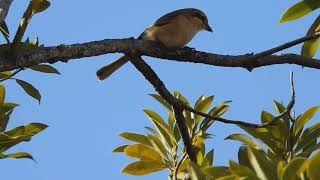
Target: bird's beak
column 208, row 28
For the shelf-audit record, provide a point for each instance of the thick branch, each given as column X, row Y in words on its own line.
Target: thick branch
column 4, row 8
column 152, row 77
column 75, row 51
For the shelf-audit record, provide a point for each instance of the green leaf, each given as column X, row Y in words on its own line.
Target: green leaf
column 39, row 5
column 162, row 101
column 314, row 164
column 29, row 129
column 153, row 131
column 299, row 9
column 19, row 134
column 216, row 171
column 307, row 137
column 4, row 30
column 266, row 136
column 158, row 146
column 202, row 106
column 19, row 155
column 280, row 169
column 280, row 130
column 5, row 74
column 29, row 89
column 176, row 133
column 243, row 138
column 209, row 157
column 217, row 111
column 308, row 151
column 135, row 138
column 119, row 149
column 164, row 130
column 2, row 94
column 263, row 167
column 229, row 177
column 290, row 171
column 280, row 108
column 142, row 152
column 195, row 172
column 304, row 118
column 143, row 167
column 243, row 156
column 242, row 171
column 45, row 69
column 310, row 47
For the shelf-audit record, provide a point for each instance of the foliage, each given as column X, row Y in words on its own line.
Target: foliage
column 299, row 10
column 162, row 148
column 283, row 151
column 16, row 135
column 10, row 138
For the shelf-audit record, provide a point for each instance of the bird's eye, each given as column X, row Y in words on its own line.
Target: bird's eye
column 203, row 18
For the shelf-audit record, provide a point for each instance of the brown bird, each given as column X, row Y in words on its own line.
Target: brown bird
column 173, row 30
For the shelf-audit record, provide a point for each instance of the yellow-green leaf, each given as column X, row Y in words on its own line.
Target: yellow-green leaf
column 290, row 171
column 195, row 172
column 135, row 138
column 45, row 69
column 5, row 74
column 202, row 106
column 29, row 89
column 4, row 29
column 299, row 9
column 280, row 169
column 119, row 149
column 2, row 95
column 142, row 152
column 304, row 118
column 162, row 101
column 243, row 138
column 143, row 167
column 217, row 171
column 314, row 164
column 163, row 128
column 264, row 168
column 309, row 48
column 158, row 146
column 19, row 155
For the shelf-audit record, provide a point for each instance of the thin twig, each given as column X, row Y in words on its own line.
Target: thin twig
column 286, row 46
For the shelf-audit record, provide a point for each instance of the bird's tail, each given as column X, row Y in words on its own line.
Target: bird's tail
column 108, row 69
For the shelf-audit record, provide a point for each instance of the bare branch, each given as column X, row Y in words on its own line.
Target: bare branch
column 4, row 8
column 95, row 48
column 286, row 45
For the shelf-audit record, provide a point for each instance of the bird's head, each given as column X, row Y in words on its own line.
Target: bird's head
column 198, row 18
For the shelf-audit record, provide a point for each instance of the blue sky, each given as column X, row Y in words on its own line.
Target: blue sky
column 85, row 115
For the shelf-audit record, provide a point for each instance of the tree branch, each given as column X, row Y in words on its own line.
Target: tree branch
column 64, row 53
column 4, row 8
column 152, row 77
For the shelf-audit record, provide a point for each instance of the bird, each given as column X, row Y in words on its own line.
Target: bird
column 173, row 31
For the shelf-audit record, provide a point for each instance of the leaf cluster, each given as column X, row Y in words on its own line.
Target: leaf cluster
column 299, row 10
column 162, row 148
column 10, row 138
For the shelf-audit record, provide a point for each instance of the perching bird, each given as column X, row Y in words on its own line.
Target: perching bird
column 173, row 30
